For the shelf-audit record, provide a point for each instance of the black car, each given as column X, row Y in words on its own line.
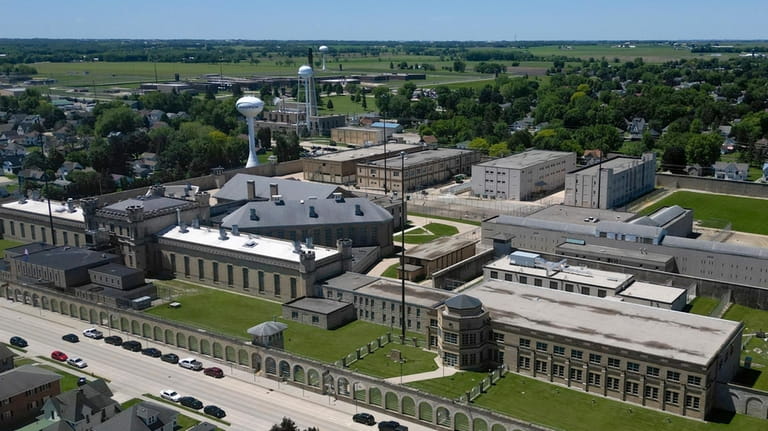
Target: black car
column 391, row 426
column 114, row 340
column 364, row 418
column 170, row 357
column 132, row 345
column 72, row 338
column 191, row 402
column 214, row 411
column 18, row 342
column 151, row 351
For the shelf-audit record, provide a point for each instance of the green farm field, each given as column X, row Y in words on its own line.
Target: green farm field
column 745, row 214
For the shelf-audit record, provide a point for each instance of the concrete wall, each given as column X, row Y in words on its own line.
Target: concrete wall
column 462, row 271
column 712, row 185
column 742, row 400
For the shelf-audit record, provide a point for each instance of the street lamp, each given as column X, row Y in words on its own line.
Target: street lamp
column 50, row 213
column 385, row 151
column 402, row 251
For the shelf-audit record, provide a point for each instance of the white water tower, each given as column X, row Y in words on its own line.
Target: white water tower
column 307, row 80
column 323, row 50
column 250, row 107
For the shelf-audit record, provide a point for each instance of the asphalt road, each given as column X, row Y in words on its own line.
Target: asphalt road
column 251, row 402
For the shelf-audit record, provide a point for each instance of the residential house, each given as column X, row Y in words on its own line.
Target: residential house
column 12, row 164
column 81, row 409
column 144, row 416
column 765, row 170
column 635, row 129
column 731, row 171
column 34, row 174
column 6, row 358
column 23, row 391
column 67, row 168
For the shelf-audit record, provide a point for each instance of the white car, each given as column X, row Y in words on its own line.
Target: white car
column 171, row 395
column 191, row 363
column 93, row 333
column 77, row 362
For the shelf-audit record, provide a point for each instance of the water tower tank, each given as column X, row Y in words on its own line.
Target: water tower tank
column 323, row 49
column 305, row 71
column 249, row 106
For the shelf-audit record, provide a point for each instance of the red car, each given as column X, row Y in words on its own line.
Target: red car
column 214, row 372
column 59, row 356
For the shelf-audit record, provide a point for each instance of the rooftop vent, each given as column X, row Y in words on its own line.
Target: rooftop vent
column 254, row 216
column 235, row 230
column 338, row 197
column 312, row 212
column 250, row 243
column 278, row 199
column 358, row 210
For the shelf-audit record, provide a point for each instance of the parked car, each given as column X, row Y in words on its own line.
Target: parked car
column 191, row 402
column 82, row 381
column 191, row 364
column 59, row 355
column 113, row 340
column 391, row 426
column 171, row 395
column 72, row 338
column 214, row 372
column 170, row 357
column 77, row 362
column 151, row 351
column 214, row 411
column 364, row 418
column 132, row 345
column 18, row 342
column 93, row 333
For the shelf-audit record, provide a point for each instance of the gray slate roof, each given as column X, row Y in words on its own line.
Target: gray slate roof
column 463, row 302
column 23, row 378
column 293, row 213
column 267, row 329
column 67, row 257
column 130, row 420
column 94, row 396
column 115, row 270
column 149, row 203
column 667, row 214
column 236, row 189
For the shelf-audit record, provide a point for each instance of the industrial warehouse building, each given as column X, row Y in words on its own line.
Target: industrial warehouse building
column 341, row 167
column 522, row 176
column 612, row 183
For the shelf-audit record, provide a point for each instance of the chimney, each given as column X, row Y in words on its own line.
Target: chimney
column 70, row 205
column 251, row 190
column 182, row 226
column 312, row 212
column 196, row 223
column 222, row 233
column 273, row 189
column 309, row 242
column 358, row 210
column 235, row 230
column 254, row 216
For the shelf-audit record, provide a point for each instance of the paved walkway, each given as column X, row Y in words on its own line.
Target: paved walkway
column 441, row 371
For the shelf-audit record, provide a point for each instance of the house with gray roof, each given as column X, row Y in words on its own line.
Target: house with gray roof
column 23, row 391
column 144, row 416
column 81, row 409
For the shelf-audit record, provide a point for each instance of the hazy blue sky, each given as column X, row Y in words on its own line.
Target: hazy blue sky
column 387, row 20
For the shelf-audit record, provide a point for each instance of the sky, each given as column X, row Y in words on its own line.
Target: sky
column 436, row 20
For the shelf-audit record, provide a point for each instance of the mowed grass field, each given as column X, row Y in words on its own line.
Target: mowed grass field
column 756, row 348
column 566, row 409
column 450, row 386
column 745, row 214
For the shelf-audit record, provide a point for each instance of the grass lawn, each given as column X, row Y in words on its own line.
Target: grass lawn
column 746, row 214
column 754, row 320
column 429, row 233
column 566, row 409
column 6, row 243
column 67, row 382
column 19, row 361
column 202, row 307
column 451, row 386
column 703, row 305
column 472, row 222
column 344, row 105
column 377, row 364
column 391, row 272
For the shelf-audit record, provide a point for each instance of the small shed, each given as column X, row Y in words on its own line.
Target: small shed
column 268, row 334
column 321, row 312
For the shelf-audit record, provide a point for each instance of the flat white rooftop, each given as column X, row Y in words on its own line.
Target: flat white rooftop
column 653, row 292
column 525, row 159
column 588, row 276
column 664, row 333
column 261, row 246
column 58, row 210
column 362, row 153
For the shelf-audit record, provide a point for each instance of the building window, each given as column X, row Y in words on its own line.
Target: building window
column 230, row 275
column 558, row 350
column 585, row 290
column 537, row 282
column 614, row 362
column 172, row 258
column 468, row 339
column 295, row 315
column 66, row 237
column 576, row 374
column 633, row 366
column 42, row 232
column 601, row 293
column 498, row 337
column 13, row 229
column 673, row 376
column 652, row 392
column 293, row 288
column 450, row 359
column 23, row 230
column 594, row 379
column 246, row 282
column 525, row 342
column 432, row 322
column 34, row 235
column 594, row 358
column 261, row 281
column 509, row 277
column 692, row 402
column 200, row 269
column 694, row 380
column 612, row 383
column 276, row 280
column 632, row 388
column 494, row 274
column 553, row 285
column 541, row 347
column 568, row 287
column 215, row 272
column 523, row 279
column 524, row 362
column 577, row 354
column 541, row 366
column 451, row 338
column 671, row 397
column 652, row 371
column 558, row 370
column 186, row 266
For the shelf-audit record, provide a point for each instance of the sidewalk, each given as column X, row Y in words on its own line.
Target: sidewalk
column 441, row 371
